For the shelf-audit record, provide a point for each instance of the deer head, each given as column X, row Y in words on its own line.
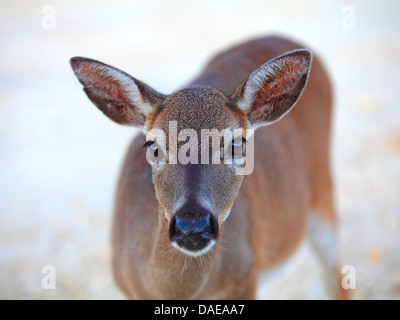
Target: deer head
column 196, row 196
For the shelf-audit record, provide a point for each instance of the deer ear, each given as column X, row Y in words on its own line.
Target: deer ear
column 119, row 96
column 273, row 89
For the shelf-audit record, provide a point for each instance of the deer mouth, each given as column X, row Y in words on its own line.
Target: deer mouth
column 195, row 253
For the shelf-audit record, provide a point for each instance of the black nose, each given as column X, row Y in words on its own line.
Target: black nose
column 193, row 230
column 192, row 225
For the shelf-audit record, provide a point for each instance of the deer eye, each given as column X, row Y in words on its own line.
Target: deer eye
column 238, row 147
column 153, row 147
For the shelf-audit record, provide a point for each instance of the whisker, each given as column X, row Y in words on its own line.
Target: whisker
column 184, row 266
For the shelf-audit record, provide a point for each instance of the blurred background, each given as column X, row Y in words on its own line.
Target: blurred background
column 60, row 156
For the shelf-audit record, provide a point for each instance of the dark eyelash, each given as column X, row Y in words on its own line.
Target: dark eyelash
column 148, row 144
column 243, row 140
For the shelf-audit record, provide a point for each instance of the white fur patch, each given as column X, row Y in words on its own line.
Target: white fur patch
column 266, row 73
column 197, row 253
column 324, row 240
column 130, row 88
column 259, row 77
column 281, row 269
column 127, row 84
column 227, row 213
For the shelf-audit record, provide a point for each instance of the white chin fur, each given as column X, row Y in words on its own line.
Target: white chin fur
column 197, row 253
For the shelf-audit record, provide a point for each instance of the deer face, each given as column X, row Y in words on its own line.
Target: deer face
column 190, row 134
column 193, row 183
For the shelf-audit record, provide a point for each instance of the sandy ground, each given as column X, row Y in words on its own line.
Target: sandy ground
column 60, row 156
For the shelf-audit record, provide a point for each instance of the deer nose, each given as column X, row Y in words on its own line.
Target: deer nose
column 192, row 225
column 193, row 231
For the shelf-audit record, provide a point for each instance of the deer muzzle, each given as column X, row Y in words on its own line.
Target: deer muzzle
column 193, row 231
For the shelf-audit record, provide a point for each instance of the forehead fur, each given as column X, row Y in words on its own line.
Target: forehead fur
column 198, row 107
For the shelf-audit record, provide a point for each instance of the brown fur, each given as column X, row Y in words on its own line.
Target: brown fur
column 268, row 219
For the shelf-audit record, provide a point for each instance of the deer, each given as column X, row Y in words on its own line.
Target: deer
column 201, row 231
